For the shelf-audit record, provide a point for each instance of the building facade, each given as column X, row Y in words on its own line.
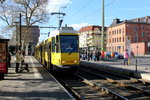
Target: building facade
column 129, row 34
column 90, row 36
column 29, row 38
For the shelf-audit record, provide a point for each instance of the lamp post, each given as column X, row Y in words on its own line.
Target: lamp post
column 137, row 53
column 102, row 35
column 137, row 50
column 17, row 33
column 20, row 33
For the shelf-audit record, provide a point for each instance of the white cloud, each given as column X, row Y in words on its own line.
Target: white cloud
column 55, row 5
column 79, row 26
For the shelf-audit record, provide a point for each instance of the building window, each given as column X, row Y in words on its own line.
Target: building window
column 119, row 31
column 142, row 26
column 110, row 33
column 143, row 34
column 119, row 39
column 135, row 38
column 109, row 40
column 135, row 29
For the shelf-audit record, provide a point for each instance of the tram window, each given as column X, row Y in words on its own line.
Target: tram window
column 57, row 44
column 53, row 44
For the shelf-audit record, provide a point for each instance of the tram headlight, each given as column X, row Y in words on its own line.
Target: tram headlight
column 63, row 61
column 75, row 61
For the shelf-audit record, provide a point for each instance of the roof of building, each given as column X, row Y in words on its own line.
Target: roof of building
column 90, row 28
column 136, row 20
column 3, row 38
column 116, row 22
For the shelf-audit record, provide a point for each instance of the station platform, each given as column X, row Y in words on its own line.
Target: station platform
column 37, row 84
column 141, row 71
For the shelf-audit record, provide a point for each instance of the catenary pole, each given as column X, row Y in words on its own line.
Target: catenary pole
column 102, row 31
column 20, row 32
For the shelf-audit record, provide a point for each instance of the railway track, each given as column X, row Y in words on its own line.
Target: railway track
column 83, row 89
column 89, row 84
column 140, row 84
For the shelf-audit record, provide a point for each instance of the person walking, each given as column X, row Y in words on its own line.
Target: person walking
column 22, row 58
column 126, row 57
column 9, row 59
column 18, row 59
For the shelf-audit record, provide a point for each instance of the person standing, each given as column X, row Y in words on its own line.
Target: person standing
column 126, row 57
column 9, row 59
column 18, row 59
column 22, row 57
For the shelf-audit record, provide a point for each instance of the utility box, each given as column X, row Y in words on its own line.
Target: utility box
column 3, row 57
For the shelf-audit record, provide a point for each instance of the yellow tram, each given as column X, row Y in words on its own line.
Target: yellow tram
column 60, row 51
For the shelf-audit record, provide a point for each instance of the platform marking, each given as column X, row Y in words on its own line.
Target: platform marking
column 36, row 73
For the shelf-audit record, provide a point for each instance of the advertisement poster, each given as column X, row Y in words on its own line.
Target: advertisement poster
column 3, row 58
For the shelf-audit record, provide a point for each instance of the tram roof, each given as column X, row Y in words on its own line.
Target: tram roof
column 62, row 30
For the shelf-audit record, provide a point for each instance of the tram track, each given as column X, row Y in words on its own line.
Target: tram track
column 135, row 83
column 89, row 84
column 84, row 89
column 120, row 85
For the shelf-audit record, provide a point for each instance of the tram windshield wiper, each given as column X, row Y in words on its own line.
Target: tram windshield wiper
column 70, row 52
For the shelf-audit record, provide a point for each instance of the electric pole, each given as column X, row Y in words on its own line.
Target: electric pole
column 102, row 31
column 20, row 33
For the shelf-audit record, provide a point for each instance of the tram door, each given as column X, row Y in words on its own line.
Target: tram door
column 41, row 53
column 49, row 56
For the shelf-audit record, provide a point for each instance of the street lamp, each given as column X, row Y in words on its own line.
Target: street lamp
column 18, row 23
column 20, row 32
column 136, row 51
column 17, row 38
column 102, row 35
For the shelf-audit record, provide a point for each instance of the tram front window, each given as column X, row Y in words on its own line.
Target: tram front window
column 69, row 44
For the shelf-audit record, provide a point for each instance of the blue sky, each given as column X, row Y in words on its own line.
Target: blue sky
column 89, row 11
column 80, row 13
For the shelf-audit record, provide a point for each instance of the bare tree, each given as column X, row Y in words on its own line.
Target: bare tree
column 32, row 11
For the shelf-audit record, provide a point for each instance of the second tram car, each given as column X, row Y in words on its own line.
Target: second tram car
column 60, row 51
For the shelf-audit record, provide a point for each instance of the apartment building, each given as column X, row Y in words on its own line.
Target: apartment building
column 90, row 36
column 29, row 38
column 133, row 35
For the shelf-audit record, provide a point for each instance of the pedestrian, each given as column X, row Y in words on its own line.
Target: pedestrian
column 22, row 57
column 24, row 66
column 126, row 57
column 9, row 59
column 91, row 56
column 95, row 55
column 112, row 55
column 88, row 57
column 18, row 59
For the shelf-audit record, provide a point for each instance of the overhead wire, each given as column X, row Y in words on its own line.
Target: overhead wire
column 96, row 11
column 75, row 13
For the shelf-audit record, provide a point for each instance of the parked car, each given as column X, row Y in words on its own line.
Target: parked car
column 108, row 54
column 118, row 55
